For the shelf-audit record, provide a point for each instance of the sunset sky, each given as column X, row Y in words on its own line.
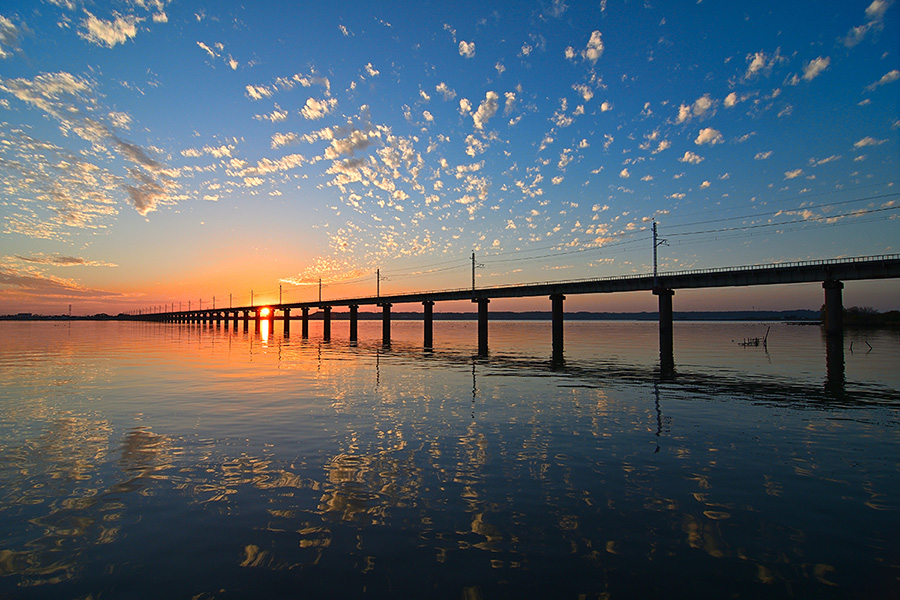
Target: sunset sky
column 158, row 152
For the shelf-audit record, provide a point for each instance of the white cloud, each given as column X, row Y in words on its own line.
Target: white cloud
column 9, row 37
column 467, row 49
column 814, row 67
column 759, row 63
column 874, row 21
column 109, row 33
column 465, row 106
column 486, row 110
column 606, row 106
column 258, row 92
column 284, row 139
column 510, row 102
column 316, row 109
column 445, row 91
column 570, row 53
column 793, row 174
column 708, row 136
column 730, row 100
column 624, row 174
column 594, row 48
column 372, row 71
column 868, row 141
column 690, row 157
column 663, row 145
column 889, row 77
column 702, row 107
column 705, row 185
column 763, row 155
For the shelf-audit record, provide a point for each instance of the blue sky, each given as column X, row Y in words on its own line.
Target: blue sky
column 154, row 152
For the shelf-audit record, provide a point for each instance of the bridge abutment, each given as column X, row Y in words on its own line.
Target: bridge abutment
column 834, row 308
column 326, row 323
column 556, row 304
column 354, row 322
column 428, row 323
column 666, row 328
column 482, row 325
column 385, row 323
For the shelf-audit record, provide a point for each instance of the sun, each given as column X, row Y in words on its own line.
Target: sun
column 264, row 312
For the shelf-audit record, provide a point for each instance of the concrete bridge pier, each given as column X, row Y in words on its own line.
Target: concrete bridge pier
column 556, row 304
column 218, row 319
column 287, row 322
column 666, row 329
column 326, row 323
column 256, row 319
column 482, row 325
column 304, row 322
column 271, row 320
column 834, row 308
column 354, row 326
column 246, row 321
column 236, row 314
column 428, row 321
column 385, row 323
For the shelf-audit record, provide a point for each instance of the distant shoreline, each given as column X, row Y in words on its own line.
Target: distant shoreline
column 854, row 317
column 801, row 315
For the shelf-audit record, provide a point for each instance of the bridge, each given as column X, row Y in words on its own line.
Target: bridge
column 830, row 272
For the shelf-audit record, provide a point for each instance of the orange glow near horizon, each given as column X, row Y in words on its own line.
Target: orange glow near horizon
column 264, row 312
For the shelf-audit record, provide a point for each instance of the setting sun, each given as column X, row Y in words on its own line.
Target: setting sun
column 264, row 312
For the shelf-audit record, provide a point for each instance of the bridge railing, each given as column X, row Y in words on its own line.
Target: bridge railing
column 662, row 275
column 763, row 266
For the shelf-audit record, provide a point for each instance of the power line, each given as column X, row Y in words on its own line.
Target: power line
column 786, row 211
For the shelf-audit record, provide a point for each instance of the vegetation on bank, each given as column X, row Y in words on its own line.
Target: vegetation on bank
column 864, row 316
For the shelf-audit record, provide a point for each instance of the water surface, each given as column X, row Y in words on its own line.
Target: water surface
column 142, row 460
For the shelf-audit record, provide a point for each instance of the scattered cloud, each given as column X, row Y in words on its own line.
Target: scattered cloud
column 316, row 109
column 9, row 38
column 466, row 49
column 761, row 64
column 708, row 136
column 486, row 110
column 594, row 48
column 889, row 77
column 793, row 174
column 108, row 33
column 763, row 155
column 704, row 106
column 868, row 141
column 813, row 68
column 444, row 90
column 58, row 260
column 690, row 157
column 874, row 17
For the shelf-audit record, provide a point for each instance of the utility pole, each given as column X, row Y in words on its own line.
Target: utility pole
column 378, row 283
column 251, row 297
column 320, row 289
column 229, row 300
column 200, row 303
column 656, row 244
column 214, row 303
column 279, row 293
column 473, row 272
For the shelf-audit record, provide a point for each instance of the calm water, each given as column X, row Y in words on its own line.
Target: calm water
column 146, row 460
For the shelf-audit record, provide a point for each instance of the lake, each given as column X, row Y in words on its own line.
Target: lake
column 145, row 460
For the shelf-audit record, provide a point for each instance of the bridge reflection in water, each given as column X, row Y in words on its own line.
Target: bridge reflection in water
column 831, row 273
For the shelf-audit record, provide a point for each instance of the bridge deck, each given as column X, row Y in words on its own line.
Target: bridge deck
column 859, row 268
